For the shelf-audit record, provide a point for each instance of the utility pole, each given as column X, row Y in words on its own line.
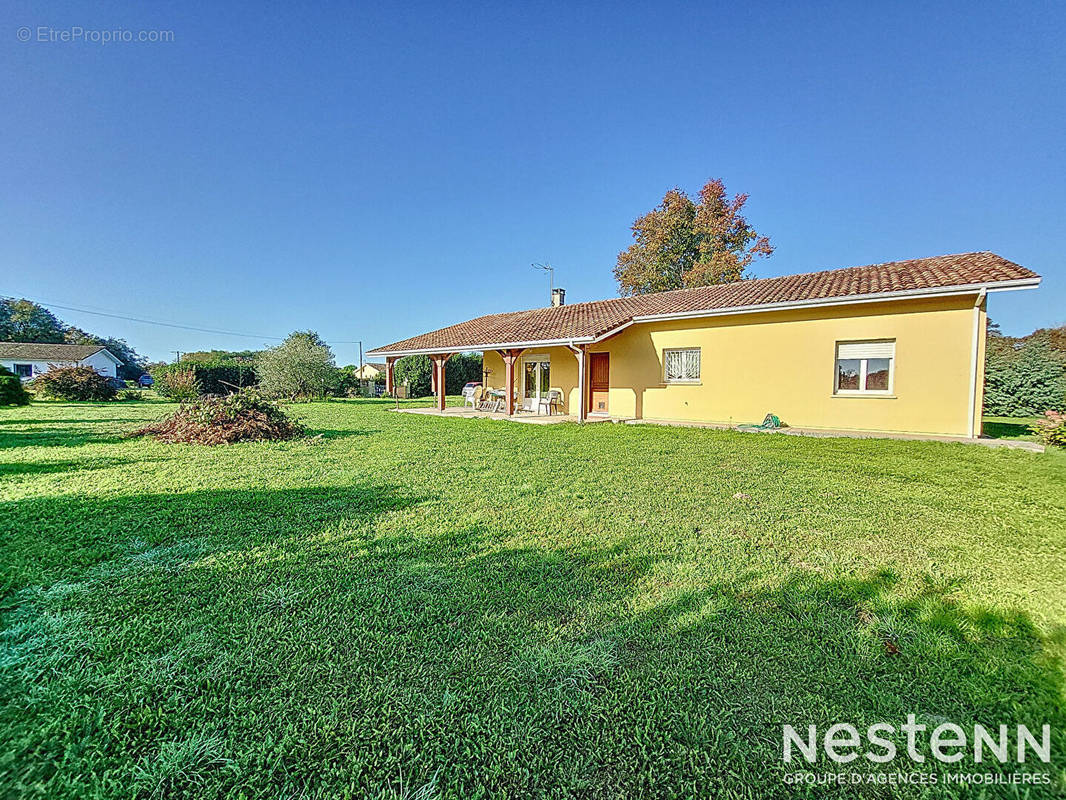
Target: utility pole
column 362, row 386
column 551, row 276
column 178, row 354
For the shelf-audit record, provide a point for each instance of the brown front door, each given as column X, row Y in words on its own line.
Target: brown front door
column 599, row 382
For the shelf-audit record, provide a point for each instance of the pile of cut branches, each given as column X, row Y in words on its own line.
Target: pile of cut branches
column 243, row 416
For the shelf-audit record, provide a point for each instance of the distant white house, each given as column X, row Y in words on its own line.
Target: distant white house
column 30, row 359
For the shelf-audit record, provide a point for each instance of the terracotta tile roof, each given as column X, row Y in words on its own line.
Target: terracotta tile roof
column 589, row 320
column 37, row 351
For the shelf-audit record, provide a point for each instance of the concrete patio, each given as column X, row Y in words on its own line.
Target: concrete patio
column 520, row 416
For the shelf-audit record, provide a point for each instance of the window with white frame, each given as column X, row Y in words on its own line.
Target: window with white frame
column 681, row 365
column 865, row 367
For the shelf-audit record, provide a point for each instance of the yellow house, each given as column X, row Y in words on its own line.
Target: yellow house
column 896, row 347
column 369, row 371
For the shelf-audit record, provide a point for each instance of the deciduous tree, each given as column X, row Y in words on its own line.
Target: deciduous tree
column 25, row 321
column 301, row 366
column 681, row 243
column 133, row 364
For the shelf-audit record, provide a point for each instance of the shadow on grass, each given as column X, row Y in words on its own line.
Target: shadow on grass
column 55, row 436
column 75, row 432
column 53, row 421
column 323, row 646
column 1006, row 430
column 57, row 538
column 61, row 431
column 338, row 433
column 15, row 468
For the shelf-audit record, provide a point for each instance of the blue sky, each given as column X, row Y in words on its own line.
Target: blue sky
column 374, row 171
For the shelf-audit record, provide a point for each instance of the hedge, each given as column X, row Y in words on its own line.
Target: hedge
column 1024, row 379
column 211, row 378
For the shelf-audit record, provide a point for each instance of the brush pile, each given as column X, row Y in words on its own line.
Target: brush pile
column 243, row 416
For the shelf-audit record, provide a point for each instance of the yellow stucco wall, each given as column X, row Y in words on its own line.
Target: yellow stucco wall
column 784, row 362
column 563, row 372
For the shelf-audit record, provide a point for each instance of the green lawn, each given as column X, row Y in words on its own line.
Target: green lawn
column 409, row 606
column 1009, row 428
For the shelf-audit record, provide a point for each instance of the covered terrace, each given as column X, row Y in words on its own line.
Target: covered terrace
column 525, row 373
column 529, row 354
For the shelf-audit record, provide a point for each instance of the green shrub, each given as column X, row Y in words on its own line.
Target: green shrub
column 243, row 416
column 179, row 384
column 346, row 384
column 1051, row 429
column 12, row 392
column 131, row 395
column 74, row 383
column 211, row 378
column 417, row 373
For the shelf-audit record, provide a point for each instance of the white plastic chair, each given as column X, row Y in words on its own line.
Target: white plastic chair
column 553, row 399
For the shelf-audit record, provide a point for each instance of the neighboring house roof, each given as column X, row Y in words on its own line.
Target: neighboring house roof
column 379, row 366
column 586, row 322
column 37, row 351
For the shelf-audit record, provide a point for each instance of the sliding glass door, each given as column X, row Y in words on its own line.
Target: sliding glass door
column 536, row 381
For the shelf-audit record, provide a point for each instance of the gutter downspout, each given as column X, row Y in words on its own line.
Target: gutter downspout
column 975, row 345
column 582, row 413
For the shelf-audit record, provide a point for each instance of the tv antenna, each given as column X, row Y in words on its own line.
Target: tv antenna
column 551, row 275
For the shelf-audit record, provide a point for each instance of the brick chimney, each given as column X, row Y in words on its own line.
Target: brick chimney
column 558, row 297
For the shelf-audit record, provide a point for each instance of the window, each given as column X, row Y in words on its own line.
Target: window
column 864, row 367
column 24, row 370
column 681, row 366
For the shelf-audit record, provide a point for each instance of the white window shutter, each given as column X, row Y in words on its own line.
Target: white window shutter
column 866, row 349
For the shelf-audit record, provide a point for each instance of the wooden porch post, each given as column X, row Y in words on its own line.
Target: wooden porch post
column 440, row 383
column 439, row 361
column 509, row 359
column 390, row 380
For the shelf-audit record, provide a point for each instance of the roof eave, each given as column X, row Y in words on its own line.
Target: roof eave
column 478, row 348
column 851, row 299
column 822, row 302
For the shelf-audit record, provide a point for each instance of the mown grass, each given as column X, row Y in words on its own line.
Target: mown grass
column 1009, row 428
column 408, row 606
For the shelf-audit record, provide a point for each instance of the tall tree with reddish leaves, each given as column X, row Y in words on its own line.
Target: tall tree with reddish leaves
column 681, row 243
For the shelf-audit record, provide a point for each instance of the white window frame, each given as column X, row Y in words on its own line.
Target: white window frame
column 689, row 381
column 864, row 361
column 540, row 359
column 15, row 369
